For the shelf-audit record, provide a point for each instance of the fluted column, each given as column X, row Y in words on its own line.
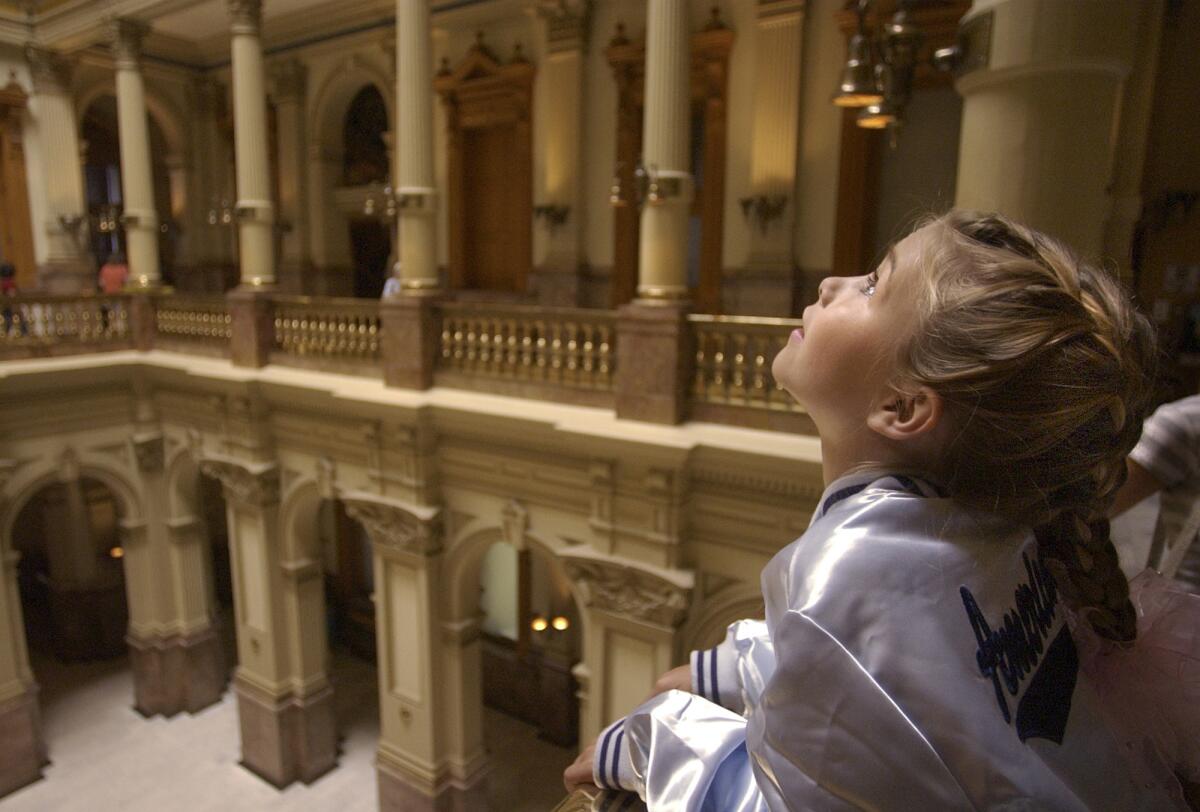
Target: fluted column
column 290, row 85
column 137, row 178
column 662, row 252
column 414, row 107
column 256, row 211
column 1039, row 120
column 68, row 268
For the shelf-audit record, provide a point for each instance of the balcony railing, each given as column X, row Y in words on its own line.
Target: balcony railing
column 193, row 323
column 337, row 335
column 559, row 353
column 567, row 355
column 41, row 325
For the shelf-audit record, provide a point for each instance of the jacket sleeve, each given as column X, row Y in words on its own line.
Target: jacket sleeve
column 680, row 752
column 733, row 673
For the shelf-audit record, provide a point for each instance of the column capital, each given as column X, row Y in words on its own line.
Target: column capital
column 290, row 78
column 772, row 11
column 627, row 588
column 149, row 452
column 245, row 16
column 567, row 24
column 413, row 530
column 127, row 36
column 51, row 71
column 256, row 485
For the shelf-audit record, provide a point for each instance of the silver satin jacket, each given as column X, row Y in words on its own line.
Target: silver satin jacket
column 914, row 656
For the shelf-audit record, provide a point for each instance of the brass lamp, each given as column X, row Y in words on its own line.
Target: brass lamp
column 878, row 75
column 858, row 87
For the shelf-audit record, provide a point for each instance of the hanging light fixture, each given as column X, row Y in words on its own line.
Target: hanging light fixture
column 881, row 65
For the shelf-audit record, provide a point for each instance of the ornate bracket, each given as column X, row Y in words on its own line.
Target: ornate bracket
column 248, row 484
column 390, row 524
column 625, row 587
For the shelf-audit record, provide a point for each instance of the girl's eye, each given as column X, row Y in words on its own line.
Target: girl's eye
column 868, row 288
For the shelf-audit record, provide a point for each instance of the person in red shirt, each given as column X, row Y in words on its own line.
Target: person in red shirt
column 113, row 274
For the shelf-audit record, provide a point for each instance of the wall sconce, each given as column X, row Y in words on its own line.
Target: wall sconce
column 385, row 203
column 650, row 185
column 553, row 215
column 220, row 214
column 70, row 222
column 764, row 209
column 541, row 624
column 107, row 218
column 878, row 75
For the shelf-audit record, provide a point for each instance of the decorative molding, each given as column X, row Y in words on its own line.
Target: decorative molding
column 461, row 632
column 393, row 525
column 68, row 466
column 624, row 587
column 778, row 11
column 568, row 24
column 514, row 523
column 149, row 452
column 51, row 71
column 730, row 479
column 245, row 16
column 257, row 486
column 326, row 477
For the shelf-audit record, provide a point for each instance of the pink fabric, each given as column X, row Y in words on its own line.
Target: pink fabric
column 1152, row 687
column 113, row 276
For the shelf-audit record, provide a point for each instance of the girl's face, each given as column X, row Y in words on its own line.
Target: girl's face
column 844, row 358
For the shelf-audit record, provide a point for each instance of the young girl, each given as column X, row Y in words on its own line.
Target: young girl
column 945, row 633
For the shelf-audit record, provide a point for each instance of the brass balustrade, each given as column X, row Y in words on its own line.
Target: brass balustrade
column 338, row 334
column 562, row 347
column 733, row 361
column 48, row 322
column 193, row 320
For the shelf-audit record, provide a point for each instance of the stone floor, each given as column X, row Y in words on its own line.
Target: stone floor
column 104, row 756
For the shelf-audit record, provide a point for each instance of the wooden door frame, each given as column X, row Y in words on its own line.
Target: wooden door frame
column 862, row 150
column 479, row 93
column 16, row 230
column 710, row 88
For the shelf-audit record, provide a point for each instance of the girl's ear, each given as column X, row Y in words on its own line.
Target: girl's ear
column 906, row 415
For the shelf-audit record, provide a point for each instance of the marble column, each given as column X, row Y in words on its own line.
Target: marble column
column 662, row 250
column 557, row 275
column 69, row 267
column 285, row 702
column 255, row 208
column 290, row 80
column 22, row 748
column 137, row 179
column 414, row 147
column 1039, row 120
column 764, row 286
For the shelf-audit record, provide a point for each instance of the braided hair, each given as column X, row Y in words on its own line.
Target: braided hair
column 1044, row 368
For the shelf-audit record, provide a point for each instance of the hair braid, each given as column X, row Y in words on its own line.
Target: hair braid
column 1043, row 365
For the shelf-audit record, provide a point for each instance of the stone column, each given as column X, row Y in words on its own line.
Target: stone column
column 414, row 771
column 69, row 267
column 634, row 617
column 22, row 750
column 137, row 178
column 414, row 107
column 654, row 354
column 1039, row 120
column 256, row 211
column 285, row 715
column 178, row 663
column 290, row 87
column 767, row 281
column 557, row 279
column 86, row 599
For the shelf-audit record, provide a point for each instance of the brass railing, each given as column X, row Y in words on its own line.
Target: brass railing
column 46, row 320
column 733, row 361
column 558, row 346
column 193, row 320
column 327, row 329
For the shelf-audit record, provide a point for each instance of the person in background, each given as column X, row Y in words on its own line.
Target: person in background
column 113, row 274
column 8, row 287
column 1167, row 459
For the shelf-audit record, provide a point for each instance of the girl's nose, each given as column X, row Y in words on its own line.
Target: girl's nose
column 828, row 289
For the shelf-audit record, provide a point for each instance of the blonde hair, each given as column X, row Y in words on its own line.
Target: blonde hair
column 1044, row 368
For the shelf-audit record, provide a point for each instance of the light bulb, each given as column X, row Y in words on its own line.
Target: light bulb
column 560, row 623
column 538, row 624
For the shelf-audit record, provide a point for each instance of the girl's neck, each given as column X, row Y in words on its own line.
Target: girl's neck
column 861, row 454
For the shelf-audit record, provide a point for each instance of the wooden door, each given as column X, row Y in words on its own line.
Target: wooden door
column 16, row 227
column 490, row 252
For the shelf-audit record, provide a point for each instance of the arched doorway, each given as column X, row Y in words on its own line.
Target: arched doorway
column 365, row 163
column 213, row 514
column 102, row 184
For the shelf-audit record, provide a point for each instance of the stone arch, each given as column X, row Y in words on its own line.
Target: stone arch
column 332, row 100
column 298, row 510
column 730, row 604
column 162, row 110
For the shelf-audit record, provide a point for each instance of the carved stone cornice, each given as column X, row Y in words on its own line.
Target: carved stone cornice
column 568, row 23
column 150, row 453
column 245, row 16
column 392, row 525
column 50, row 70
column 126, row 38
column 258, row 486
column 624, row 587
